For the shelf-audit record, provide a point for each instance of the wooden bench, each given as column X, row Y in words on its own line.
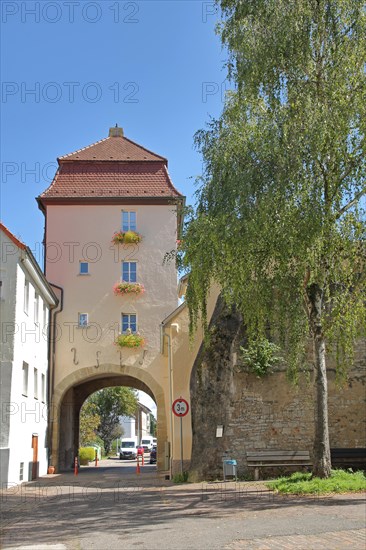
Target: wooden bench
column 349, row 458
column 275, row 457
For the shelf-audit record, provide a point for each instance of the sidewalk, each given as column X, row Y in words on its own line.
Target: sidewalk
column 110, row 506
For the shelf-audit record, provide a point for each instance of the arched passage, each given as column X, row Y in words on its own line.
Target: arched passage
column 71, row 393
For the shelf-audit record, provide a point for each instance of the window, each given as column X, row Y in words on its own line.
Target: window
column 83, row 320
column 43, row 388
column 36, row 308
column 25, row 379
column 35, row 387
column 128, row 221
column 129, row 321
column 129, row 272
column 26, row 297
column 44, row 314
column 84, row 268
column 21, row 471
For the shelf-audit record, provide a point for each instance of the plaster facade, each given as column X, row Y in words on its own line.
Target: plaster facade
column 26, row 300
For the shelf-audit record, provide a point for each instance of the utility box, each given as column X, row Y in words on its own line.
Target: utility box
column 229, row 467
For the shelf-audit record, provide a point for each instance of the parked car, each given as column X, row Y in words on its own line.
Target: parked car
column 153, row 456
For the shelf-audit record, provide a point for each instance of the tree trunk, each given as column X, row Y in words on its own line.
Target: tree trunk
column 322, row 463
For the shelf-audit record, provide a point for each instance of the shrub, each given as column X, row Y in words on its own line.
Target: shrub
column 180, row 478
column 260, row 356
column 86, row 455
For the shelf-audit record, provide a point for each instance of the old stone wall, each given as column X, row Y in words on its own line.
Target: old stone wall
column 264, row 413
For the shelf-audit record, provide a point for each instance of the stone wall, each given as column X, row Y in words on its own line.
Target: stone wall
column 264, row 413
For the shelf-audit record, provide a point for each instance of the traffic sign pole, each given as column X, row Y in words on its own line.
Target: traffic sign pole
column 180, row 408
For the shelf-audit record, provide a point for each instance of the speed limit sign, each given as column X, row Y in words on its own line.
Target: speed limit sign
column 180, row 407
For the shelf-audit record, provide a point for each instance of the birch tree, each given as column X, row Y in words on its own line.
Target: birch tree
column 280, row 220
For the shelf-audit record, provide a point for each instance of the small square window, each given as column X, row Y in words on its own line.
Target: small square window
column 129, row 322
column 84, row 268
column 83, row 320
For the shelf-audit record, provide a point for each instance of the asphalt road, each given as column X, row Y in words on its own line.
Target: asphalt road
column 112, row 507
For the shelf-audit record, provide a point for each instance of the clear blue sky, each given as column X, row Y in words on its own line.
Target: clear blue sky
column 70, row 70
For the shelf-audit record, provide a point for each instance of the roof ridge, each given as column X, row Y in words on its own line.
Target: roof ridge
column 83, row 148
column 145, row 149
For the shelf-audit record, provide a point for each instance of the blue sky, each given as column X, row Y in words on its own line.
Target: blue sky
column 71, row 69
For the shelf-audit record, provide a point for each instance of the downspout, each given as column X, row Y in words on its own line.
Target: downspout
column 168, row 336
column 51, row 363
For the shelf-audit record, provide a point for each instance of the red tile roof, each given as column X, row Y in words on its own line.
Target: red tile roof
column 113, row 148
column 117, row 179
column 113, row 168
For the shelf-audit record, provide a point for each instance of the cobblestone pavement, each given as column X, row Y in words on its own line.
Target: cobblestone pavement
column 112, row 507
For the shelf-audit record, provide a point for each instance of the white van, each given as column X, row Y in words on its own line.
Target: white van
column 128, row 449
column 147, row 443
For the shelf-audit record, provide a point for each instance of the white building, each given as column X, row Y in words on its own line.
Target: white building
column 139, row 425
column 26, row 300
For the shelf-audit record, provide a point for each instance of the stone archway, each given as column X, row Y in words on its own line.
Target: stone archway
column 70, row 394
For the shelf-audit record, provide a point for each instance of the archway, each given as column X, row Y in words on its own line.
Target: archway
column 71, row 393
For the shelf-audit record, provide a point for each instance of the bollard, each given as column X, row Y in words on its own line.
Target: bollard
column 96, row 457
column 138, row 465
column 142, row 461
column 76, row 468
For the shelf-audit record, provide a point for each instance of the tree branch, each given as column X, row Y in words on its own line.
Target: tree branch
column 351, row 203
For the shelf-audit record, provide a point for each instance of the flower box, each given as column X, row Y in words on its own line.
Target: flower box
column 130, row 340
column 124, row 288
column 126, row 237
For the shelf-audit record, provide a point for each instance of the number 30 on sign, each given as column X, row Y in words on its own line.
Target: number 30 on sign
column 180, row 407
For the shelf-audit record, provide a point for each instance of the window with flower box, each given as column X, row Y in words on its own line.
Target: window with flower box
column 129, row 272
column 129, row 322
column 128, row 221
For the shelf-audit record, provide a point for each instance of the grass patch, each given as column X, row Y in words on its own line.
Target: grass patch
column 340, row 481
column 180, row 478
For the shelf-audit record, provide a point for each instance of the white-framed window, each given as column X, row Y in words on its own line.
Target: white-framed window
column 26, row 296
column 44, row 314
column 83, row 268
column 35, row 383
column 83, row 319
column 25, row 370
column 129, row 322
column 128, row 221
column 36, row 307
column 129, row 272
column 43, row 387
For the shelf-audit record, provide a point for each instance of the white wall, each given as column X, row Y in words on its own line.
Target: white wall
column 24, row 415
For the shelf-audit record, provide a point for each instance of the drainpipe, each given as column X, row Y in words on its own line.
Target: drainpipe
column 168, row 336
column 51, row 363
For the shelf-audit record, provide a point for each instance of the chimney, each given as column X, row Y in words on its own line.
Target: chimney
column 116, row 132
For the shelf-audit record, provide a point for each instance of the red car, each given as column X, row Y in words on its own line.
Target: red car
column 140, row 451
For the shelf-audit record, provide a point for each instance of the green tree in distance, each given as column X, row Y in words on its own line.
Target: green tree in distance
column 109, row 404
column 89, row 422
column 280, row 221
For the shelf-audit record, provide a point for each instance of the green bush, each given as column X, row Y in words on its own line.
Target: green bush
column 86, row 455
column 260, row 356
